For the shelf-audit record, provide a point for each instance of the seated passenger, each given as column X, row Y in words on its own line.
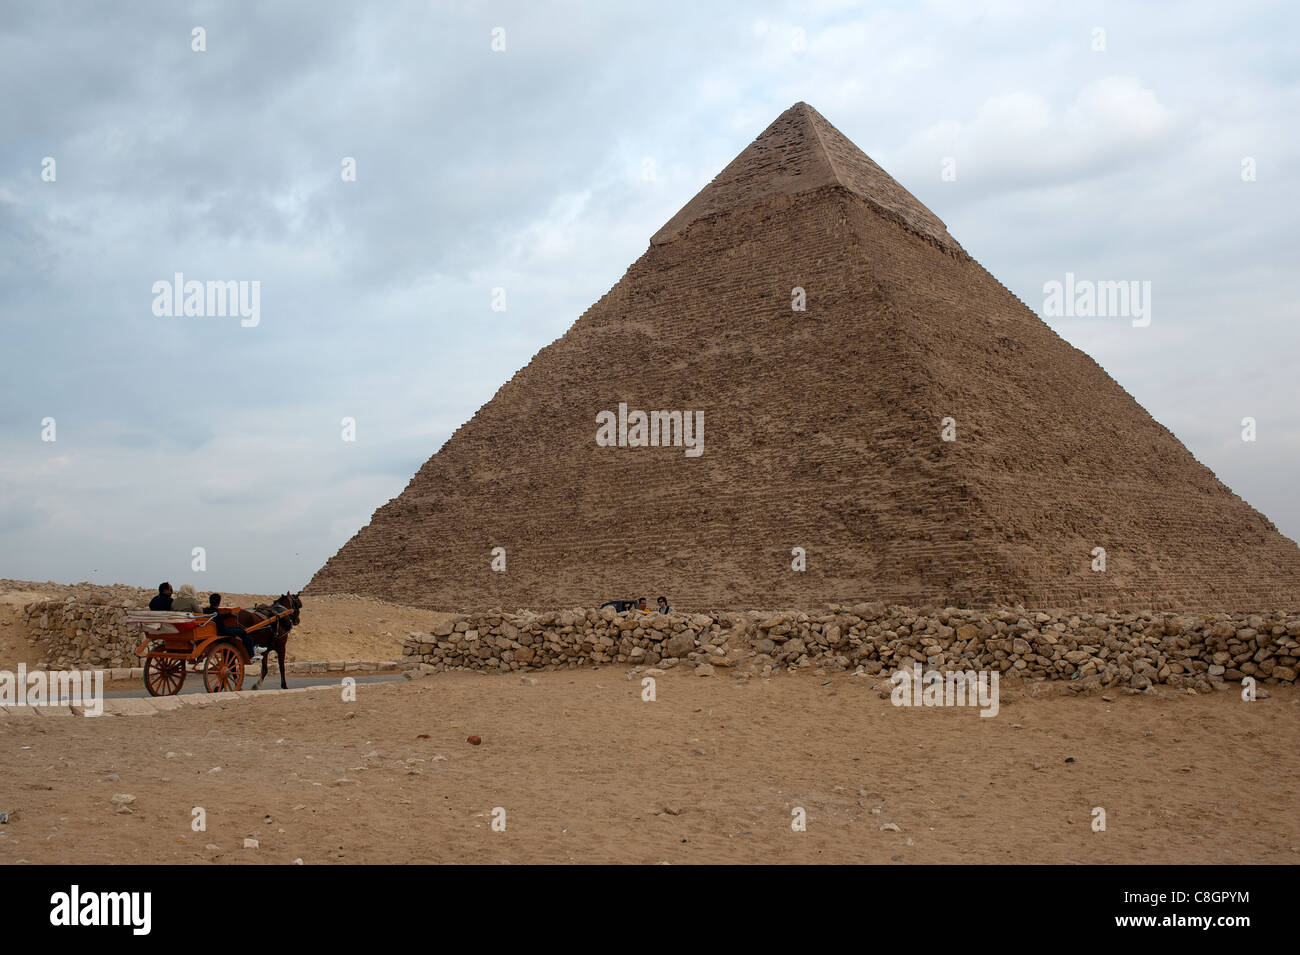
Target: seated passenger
column 163, row 600
column 187, row 601
column 228, row 626
column 663, row 605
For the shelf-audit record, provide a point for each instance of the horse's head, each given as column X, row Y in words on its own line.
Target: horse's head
column 292, row 602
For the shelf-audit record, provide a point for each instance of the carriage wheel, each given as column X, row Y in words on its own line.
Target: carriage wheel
column 223, row 669
column 163, row 676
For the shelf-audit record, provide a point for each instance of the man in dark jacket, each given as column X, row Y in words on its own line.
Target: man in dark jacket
column 228, row 626
column 163, row 601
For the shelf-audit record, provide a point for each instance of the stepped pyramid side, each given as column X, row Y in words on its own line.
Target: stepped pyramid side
column 822, row 432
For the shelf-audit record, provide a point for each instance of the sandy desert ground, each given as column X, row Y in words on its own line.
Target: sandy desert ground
column 586, row 771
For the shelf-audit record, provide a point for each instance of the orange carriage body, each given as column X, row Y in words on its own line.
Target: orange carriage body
column 187, row 641
column 173, row 642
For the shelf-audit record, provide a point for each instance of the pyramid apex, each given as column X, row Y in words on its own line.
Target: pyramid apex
column 800, row 152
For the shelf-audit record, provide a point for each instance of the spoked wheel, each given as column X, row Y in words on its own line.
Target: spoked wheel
column 163, row 676
column 223, row 669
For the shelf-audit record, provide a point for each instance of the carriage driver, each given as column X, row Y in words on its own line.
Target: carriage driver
column 233, row 629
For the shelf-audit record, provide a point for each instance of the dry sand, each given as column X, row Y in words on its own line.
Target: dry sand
column 709, row 772
column 14, row 648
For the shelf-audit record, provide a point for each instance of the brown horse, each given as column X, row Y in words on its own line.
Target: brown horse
column 276, row 635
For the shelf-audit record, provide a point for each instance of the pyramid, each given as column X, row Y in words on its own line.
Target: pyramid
column 823, row 431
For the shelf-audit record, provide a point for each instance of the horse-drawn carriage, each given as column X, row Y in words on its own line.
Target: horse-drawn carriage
column 174, row 643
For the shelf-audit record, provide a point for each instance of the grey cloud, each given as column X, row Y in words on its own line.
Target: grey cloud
column 478, row 169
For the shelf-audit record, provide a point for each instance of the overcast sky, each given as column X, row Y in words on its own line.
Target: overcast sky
column 523, row 168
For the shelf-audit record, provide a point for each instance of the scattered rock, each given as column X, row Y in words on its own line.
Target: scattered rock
column 679, row 645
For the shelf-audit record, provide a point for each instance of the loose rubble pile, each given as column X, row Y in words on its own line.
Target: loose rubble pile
column 1108, row 649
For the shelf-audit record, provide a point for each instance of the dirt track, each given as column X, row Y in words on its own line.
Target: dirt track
column 709, row 772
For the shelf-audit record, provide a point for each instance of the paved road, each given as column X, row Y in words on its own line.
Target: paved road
column 194, row 683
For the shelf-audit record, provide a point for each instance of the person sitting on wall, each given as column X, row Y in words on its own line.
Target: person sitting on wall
column 663, row 605
column 163, row 599
column 187, row 601
column 225, row 629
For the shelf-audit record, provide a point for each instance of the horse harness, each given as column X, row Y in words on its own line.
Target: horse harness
column 281, row 624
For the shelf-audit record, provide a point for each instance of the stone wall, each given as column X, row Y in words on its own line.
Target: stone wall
column 1133, row 649
column 86, row 632
column 1108, row 649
